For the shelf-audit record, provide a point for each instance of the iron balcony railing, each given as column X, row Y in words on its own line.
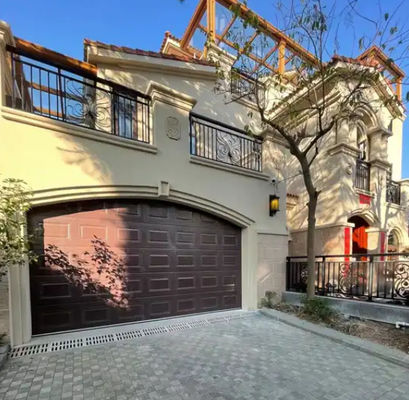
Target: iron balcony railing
column 43, row 88
column 216, row 141
column 381, row 277
column 362, row 174
column 393, row 192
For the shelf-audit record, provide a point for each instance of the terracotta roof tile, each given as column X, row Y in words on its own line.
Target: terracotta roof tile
column 139, row 52
column 167, row 35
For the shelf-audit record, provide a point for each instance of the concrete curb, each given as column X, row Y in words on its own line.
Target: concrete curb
column 388, row 354
column 3, row 354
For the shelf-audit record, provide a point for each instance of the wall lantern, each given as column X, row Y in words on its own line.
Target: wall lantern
column 274, row 204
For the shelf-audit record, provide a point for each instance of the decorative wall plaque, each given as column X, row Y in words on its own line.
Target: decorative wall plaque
column 173, row 128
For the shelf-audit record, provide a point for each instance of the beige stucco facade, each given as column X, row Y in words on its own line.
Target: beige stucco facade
column 64, row 163
column 340, row 199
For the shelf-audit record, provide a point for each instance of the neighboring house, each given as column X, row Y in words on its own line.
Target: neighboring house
column 363, row 201
column 138, row 166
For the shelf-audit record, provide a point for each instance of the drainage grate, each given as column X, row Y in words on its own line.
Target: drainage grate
column 29, row 350
column 129, row 335
column 66, row 344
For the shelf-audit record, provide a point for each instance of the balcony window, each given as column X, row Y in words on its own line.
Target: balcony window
column 362, row 174
column 392, row 191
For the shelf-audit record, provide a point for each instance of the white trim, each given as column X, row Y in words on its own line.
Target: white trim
column 69, row 129
column 75, row 193
column 167, row 95
column 121, row 60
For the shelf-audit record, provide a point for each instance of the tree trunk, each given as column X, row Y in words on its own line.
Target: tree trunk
column 312, row 206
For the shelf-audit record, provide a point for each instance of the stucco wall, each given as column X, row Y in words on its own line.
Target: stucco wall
column 63, row 163
column 328, row 240
column 271, row 270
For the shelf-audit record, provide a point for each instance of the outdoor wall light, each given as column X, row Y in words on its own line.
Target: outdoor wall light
column 274, row 204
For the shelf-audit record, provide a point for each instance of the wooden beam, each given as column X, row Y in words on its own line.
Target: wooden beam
column 56, row 92
column 272, row 31
column 40, row 53
column 47, row 111
column 227, row 28
column 211, row 20
column 399, row 88
column 270, row 52
column 230, row 44
column 194, row 22
column 281, row 57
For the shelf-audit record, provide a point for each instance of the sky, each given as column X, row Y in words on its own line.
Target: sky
column 62, row 25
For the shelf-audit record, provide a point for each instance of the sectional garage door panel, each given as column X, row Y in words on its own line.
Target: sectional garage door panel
column 119, row 261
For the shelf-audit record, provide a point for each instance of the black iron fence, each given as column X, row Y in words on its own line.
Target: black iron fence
column 393, row 192
column 366, row 277
column 362, row 174
column 45, row 89
column 216, row 141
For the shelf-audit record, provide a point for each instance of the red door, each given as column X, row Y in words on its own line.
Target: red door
column 359, row 236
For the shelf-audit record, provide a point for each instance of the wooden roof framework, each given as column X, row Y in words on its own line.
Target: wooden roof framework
column 283, row 51
column 285, row 48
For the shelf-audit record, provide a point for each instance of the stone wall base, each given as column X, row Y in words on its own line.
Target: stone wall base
column 361, row 309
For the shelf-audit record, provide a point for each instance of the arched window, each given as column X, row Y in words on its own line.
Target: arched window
column 362, row 142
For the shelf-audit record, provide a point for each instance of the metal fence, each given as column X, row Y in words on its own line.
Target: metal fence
column 393, row 192
column 216, row 141
column 48, row 90
column 367, row 277
column 362, row 174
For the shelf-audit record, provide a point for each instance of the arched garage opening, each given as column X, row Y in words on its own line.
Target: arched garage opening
column 107, row 262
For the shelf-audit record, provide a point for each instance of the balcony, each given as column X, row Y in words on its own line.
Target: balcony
column 393, row 192
column 219, row 142
column 47, row 89
column 362, row 174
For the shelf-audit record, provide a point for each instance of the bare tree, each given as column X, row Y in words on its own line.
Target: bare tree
column 301, row 88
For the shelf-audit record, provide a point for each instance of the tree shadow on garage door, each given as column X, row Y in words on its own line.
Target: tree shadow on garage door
column 98, row 271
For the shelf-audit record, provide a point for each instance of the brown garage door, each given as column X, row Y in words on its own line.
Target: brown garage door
column 109, row 262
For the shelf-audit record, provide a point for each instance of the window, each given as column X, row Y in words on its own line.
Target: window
column 362, row 143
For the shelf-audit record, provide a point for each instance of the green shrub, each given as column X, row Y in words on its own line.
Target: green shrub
column 269, row 299
column 318, row 309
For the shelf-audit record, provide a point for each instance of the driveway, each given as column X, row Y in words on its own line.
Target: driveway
column 250, row 358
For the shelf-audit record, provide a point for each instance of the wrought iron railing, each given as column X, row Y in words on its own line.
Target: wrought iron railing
column 362, row 174
column 392, row 192
column 216, row 141
column 382, row 277
column 46, row 89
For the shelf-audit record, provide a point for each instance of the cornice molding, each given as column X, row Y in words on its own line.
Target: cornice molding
column 169, row 96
